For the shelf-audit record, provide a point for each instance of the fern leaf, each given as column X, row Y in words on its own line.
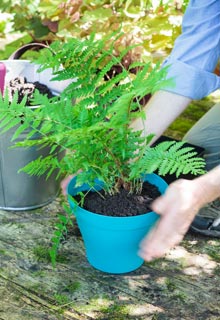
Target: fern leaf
column 178, row 148
column 170, row 162
column 21, row 128
column 41, row 166
column 107, row 67
column 111, row 83
column 136, row 64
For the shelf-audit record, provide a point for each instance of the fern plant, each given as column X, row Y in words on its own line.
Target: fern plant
column 91, row 118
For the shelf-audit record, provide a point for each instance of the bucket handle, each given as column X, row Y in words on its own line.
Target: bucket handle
column 34, row 45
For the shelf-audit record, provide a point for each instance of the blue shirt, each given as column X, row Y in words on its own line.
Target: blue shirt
column 196, row 51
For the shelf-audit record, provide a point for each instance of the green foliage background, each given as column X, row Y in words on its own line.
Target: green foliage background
column 152, row 24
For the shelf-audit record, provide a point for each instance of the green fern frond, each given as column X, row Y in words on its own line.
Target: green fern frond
column 90, row 120
column 168, row 157
column 100, row 64
column 177, row 147
column 136, row 65
column 106, row 86
column 114, row 61
column 169, row 161
column 11, row 112
column 41, row 166
column 165, row 145
column 20, row 129
column 142, row 74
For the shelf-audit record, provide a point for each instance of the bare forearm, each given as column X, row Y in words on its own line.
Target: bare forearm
column 162, row 109
column 208, row 185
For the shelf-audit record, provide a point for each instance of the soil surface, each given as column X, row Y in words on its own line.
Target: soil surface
column 123, row 203
column 24, row 88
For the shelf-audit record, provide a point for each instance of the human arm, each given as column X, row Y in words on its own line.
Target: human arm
column 190, row 64
column 196, row 51
column 162, row 109
column 177, row 209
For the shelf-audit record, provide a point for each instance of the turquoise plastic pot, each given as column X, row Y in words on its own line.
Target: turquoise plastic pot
column 112, row 243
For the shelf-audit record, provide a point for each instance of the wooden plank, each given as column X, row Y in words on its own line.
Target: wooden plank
column 162, row 290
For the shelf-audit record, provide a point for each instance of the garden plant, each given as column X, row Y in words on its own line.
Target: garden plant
column 91, row 122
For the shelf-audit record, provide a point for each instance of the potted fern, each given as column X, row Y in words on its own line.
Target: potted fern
column 90, row 121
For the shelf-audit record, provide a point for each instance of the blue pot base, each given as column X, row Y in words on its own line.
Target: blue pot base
column 115, row 269
column 112, row 243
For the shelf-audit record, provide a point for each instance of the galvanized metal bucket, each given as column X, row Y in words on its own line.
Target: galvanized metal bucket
column 20, row 191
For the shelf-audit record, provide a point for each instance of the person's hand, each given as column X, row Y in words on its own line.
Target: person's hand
column 177, row 208
column 64, row 184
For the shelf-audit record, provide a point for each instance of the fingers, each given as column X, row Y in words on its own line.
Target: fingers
column 64, row 184
column 177, row 210
column 160, row 205
column 168, row 200
column 156, row 245
column 161, row 239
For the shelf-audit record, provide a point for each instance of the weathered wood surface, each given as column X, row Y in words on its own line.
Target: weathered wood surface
column 185, row 285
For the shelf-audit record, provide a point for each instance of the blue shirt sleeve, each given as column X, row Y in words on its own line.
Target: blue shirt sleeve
column 196, row 51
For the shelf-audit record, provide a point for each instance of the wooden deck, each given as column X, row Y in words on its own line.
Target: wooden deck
column 185, row 285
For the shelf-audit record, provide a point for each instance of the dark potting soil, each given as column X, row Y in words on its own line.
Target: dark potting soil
column 123, row 203
column 20, row 85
